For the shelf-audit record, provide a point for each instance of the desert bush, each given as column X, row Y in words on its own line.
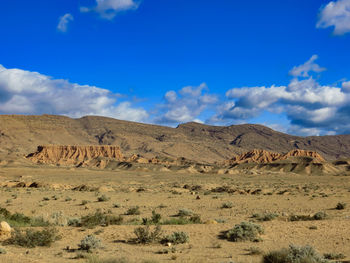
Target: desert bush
column 133, row 211
column 89, row 243
column 21, row 220
column 100, row 219
column 254, row 251
column 84, row 202
column 245, row 231
column 145, row 236
column 194, row 219
column 154, row 220
column 31, row 238
column 318, row 216
column 265, row 216
column 103, row 198
column 226, row 205
column 340, row 206
column 74, row 221
column 2, row 250
column 294, row 254
column 176, row 238
column 185, row 212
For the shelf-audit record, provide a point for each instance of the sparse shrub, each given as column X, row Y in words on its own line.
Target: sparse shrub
column 68, row 199
column 294, row 254
column 31, row 238
column 185, row 212
column 318, row 216
column 89, row 243
column 84, row 202
column 46, row 198
column 103, row 198
column 334, row 256
column 154, row 220
column 340, row 206
column 227, row 205
column 133, row 211
column 100, row 219
column 74, row 221
column 265, row 216
column 145, row 236
column 116, row 205
column 2, row 250
column 254, row 251
column 313, row 227
column 21, row 220
column 245, row 231
column 176, row 238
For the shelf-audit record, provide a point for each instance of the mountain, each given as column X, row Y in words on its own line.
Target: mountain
column 20, row 135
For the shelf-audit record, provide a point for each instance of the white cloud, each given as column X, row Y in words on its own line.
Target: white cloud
column 63, row 22
column 108, row 9
column 335, row 14
column 310, row 106
column 185, row 106
column 304, row 69
column 26, row 92
column 346, row 86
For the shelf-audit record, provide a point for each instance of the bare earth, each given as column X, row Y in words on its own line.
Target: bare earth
column 283, row 193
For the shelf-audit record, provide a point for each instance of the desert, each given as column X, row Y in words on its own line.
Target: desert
column 108, row 188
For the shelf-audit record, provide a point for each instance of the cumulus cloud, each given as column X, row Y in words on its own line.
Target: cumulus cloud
column 63, row 22
column 108, row 9
column 27, row 92
column 185, row 105
column 312, row 108
column 335, row 14
column 304, row 69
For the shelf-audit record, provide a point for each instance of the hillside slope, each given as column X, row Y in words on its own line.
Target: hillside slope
column 20, row 135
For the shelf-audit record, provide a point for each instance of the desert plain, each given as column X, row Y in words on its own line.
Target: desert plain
column 221, row 188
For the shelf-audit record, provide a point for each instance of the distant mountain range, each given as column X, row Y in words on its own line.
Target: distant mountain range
column 21, row 134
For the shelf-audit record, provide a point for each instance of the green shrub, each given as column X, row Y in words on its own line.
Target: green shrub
column 245, row 231
column 176, row 238
column 340, row 206
column 89, row 243
column 133, row 211
column 2, row 250
column 318, row 216
column 294, row 254
column 265, row 216
column 154, row 220
column 21, row 220
column 100, row 219
column 145, row 236
column 84, row 202
column 31, row 238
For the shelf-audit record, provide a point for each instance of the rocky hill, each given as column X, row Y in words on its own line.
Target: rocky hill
column 21, row 135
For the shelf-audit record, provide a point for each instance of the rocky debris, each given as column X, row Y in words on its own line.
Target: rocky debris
column 5, row 231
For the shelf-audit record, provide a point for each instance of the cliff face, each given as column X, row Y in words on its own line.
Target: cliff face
column 74, row 155
column 263, row 157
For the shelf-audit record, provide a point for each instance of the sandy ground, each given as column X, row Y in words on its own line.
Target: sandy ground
column 284, row 194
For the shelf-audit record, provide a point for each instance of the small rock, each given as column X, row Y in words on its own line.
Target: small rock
column 198, row 197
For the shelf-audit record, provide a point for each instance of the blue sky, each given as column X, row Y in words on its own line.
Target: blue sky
column 172, row 61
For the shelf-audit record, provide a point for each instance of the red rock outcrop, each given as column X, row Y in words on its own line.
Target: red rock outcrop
column 74, row 155
column 263, row 156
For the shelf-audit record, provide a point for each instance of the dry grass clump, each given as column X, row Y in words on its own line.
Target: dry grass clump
column 89, row 243
column 176, row 238
column 96, row 219
column 144, row 235
column 21, row 220
column 340, row 206
column 265, row 216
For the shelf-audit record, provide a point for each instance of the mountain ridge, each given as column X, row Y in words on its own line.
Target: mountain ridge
column 21, row 134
